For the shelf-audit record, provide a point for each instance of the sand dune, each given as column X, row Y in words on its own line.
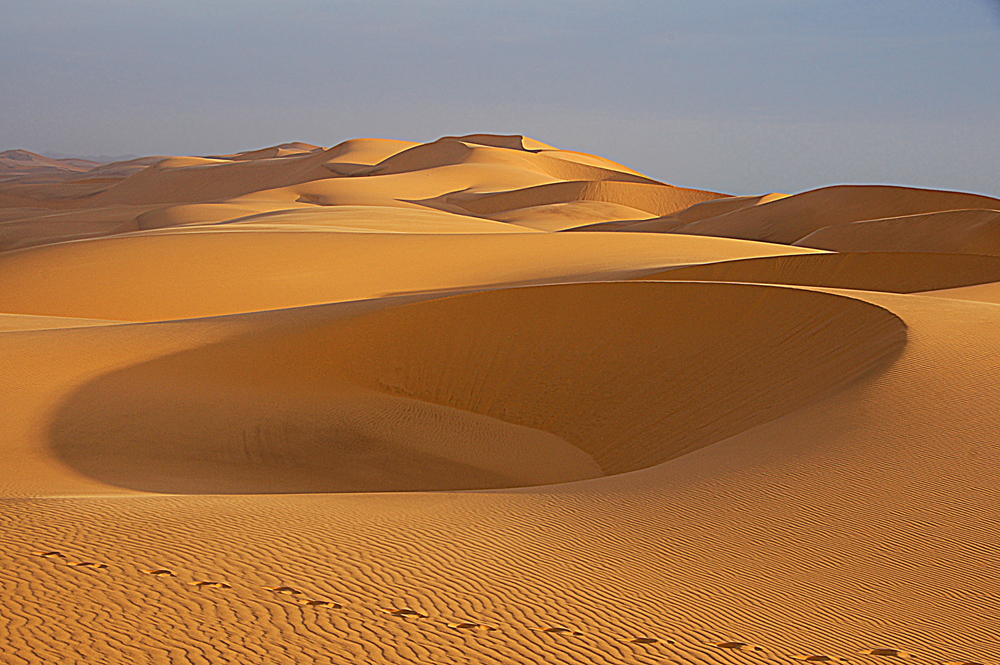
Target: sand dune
column 267, row 410
column 896, row 272
column 652, row 198
column 956, row 231
column 152, row 276
column 369, row 403
column 570, row 215
column 792, row 218
column 694, row 213
column 21, row 163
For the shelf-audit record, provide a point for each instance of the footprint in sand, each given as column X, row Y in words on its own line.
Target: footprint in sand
column 648, row 640
column 93, row 565
column 820, row 658
column 896, row 653
column 557, row 630
column 201, row 584
column 469, row 625
column 284, row 589
column 403, row 612
column 160, row 572
column 738, row 646
column 51, row 554
column 320, row 603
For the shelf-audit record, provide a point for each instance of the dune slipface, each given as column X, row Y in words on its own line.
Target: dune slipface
column 495, row 389
column 383, row 402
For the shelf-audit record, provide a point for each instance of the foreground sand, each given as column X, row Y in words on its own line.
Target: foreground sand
column 388, row 402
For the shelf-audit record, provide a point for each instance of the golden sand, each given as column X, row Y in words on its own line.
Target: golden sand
column 387, row 402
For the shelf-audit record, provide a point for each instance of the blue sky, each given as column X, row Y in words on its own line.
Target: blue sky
column 737, row 96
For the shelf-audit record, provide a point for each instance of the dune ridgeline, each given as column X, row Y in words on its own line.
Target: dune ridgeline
column 482, row 400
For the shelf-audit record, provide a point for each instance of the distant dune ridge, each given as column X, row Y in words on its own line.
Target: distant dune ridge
column 484, row 400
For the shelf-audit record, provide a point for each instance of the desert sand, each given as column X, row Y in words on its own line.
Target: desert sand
column 483, row 400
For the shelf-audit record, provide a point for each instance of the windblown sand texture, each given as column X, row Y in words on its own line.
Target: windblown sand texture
column 387, row 402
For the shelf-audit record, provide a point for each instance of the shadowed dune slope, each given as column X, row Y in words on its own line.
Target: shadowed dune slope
column 897, row 272
column 956, row 231
column 20, row 163
column 570, row 215
column 452, row 151
column 184, row 274
column 510, row 141
column 635, row 224
column 481, row 390
column 652, row 198
column 667, row 223
column 659, row 372
column 176, row 181
column 790, row 219
column 50, row 226
column 361, row 219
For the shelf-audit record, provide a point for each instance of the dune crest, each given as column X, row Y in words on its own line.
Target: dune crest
column 896, row 272
column 792, row 218
column 520, row 373
column 954, row 231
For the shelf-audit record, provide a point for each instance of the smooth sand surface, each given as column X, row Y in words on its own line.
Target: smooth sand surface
column 372, row 403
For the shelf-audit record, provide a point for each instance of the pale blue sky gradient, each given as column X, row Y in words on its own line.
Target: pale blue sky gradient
column 740, row 96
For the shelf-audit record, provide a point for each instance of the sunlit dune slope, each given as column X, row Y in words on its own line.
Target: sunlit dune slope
column 792, row 218
column 183, row 274
column 897, row 272
column 958, row 231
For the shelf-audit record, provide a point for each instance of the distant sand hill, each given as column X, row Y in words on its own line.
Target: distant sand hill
column 483, row 400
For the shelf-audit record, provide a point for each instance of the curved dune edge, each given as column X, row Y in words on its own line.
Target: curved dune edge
column 178, row 274
column 667, row 223
column 392, row 401
column 896, row 272
column 953, row 231
column 653, row 198
column 790, row 219
column 12, row 322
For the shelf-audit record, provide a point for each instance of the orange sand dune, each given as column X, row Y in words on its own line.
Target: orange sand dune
column 897, row 272
column 652, row 198
column 380, row 387
column 36, row 168
column 957, row 231
column 282, row 150
column 789, row 219
column 694, row 213
column 41, row 227
column 149, row 277
column 368, row 403
column 570, row 215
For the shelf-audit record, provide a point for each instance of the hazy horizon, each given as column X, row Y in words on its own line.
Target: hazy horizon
column 780, row 96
